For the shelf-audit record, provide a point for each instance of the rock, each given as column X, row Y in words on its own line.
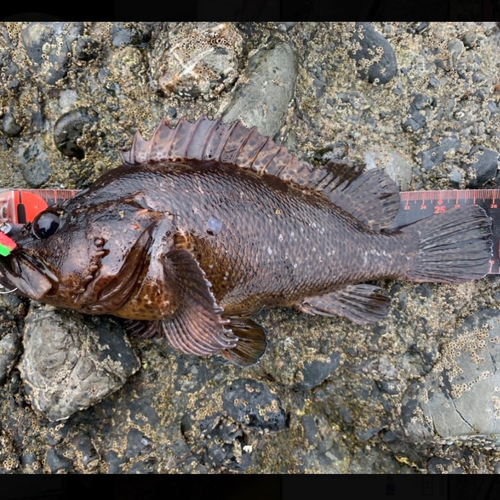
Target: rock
column 69, row 364
column 315, row 372
column 67, row 100
column 128, row 70
column 262, row 101
column 481, row 166
column 417, row 120
column 9, row 74
column 217, row 439
column 493, row 107
column 284, row 27
column 470, row 39
column 396, row 165
column 49, row 46
column 433, row 81
column 35, row 164
column 197, row 60
column 374, row 55
column 86, row 456
column 253, row 404
column 422, row 27
column 478, row 77
column 57, row 462
column 444, row 404
column 30, row 463
column 56, row 432
column 87, row 49
column 138, row 34
column 438, row 465
column 34, row 36
column 114, row 462
column 456, row 48
column 137, row 443
column 9, row 351
column 310, row 429
column 456, row 178
column 9, row 125
column 68, row 130
column 172, row 113
column 335, row 151
column 435, row 154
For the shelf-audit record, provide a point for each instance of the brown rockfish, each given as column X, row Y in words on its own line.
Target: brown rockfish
column 205, row 224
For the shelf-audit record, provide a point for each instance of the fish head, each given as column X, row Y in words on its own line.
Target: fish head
column 82, row 256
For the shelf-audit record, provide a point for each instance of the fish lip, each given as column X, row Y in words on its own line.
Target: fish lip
column 28, row 274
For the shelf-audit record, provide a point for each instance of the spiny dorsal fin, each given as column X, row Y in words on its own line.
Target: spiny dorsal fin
column 371, row 196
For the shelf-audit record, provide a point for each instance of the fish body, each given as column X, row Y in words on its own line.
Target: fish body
column 207, row 223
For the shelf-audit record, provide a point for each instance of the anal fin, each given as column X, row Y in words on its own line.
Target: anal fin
column 361, row 303
column 251, row 342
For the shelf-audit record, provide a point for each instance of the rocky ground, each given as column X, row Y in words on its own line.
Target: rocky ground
column 418, row 392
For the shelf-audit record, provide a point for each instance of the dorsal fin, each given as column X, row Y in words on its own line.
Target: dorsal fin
column 371, row 196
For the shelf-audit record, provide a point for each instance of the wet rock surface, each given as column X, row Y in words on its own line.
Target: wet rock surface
column 334, row 396
column 252, row 403
column 481, row 166
column 68, row 131
column 446, row 402
column 373, row 54
column 197, row 59
column 70, row 364
column 262, row 100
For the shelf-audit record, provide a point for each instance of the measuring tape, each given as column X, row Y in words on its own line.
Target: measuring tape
column 20, row 206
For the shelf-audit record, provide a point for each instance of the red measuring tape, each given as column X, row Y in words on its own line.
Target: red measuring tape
column 22, row 205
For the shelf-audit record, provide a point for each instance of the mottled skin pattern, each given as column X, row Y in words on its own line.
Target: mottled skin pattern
column 208, row 222
column 276, row 245
column 259, row 241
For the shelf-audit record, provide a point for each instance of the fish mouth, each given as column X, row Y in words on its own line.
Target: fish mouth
column 28, row 274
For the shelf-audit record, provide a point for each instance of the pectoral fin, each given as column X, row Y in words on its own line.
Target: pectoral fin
column 197, row 327
column 360, row 303
column 141, row 329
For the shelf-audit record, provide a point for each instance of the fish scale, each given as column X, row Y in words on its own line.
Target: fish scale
column 22, row 205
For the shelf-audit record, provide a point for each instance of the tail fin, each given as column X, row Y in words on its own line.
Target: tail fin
column 453, row 247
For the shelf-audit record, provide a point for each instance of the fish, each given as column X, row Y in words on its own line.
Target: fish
column 207, row 222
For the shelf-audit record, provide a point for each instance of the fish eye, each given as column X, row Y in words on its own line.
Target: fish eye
column 45, row 225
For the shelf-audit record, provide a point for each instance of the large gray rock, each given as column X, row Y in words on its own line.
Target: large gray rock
column 460, row 397
column 70, row 363
column 269, row 83
column 196, row 59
